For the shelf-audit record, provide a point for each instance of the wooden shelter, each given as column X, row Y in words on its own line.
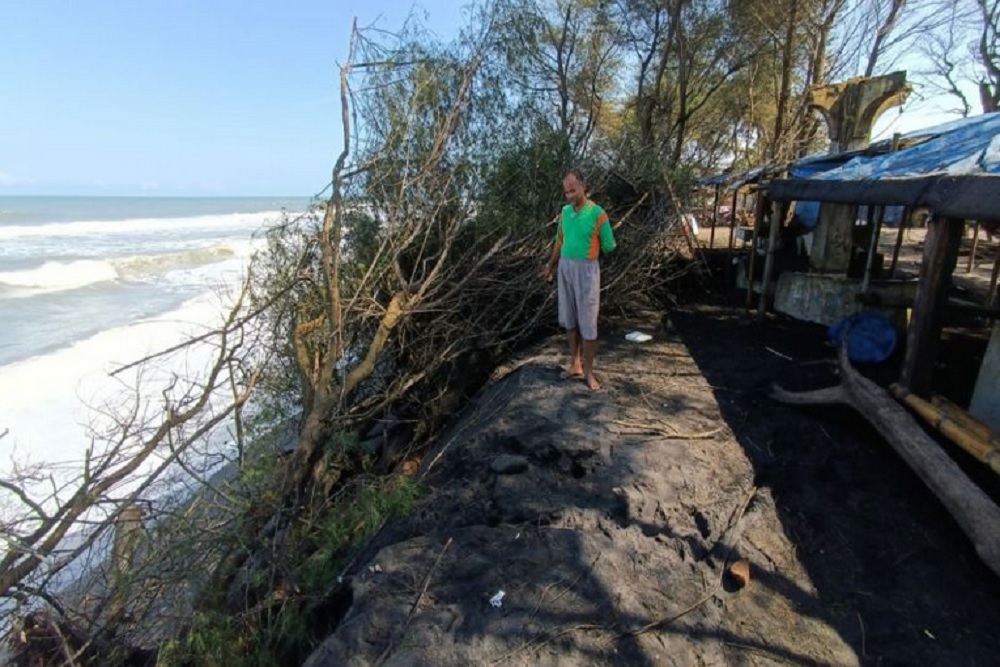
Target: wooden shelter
column 952, row 171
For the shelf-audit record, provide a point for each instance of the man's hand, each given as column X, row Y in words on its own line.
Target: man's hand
column 550, row 274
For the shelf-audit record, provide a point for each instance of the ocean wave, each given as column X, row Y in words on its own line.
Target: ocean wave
column 142, row 266
column 247, row 221
column 58, row 276
column 63, row 276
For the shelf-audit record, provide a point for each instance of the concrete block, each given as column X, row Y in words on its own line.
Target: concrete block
column 827, row 299
column 985, row 405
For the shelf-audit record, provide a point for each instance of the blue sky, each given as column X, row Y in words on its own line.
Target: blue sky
column 186, row 97
column 179, row 97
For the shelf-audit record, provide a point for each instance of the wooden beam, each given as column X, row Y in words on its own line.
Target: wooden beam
column 952, row 308
column 972, row 197
column 944, row 236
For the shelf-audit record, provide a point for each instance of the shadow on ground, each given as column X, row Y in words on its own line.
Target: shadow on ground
column 607, row 521
column 889, row 569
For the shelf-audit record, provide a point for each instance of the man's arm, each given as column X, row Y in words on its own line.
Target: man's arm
column 608, row 243
column 550, row 270
column 557, row 243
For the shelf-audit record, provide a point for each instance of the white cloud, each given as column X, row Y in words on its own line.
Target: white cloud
column 148, row 186
column 7, row 179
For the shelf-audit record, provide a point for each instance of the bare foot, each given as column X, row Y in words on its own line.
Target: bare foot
column 593, row 383
column 572, row 373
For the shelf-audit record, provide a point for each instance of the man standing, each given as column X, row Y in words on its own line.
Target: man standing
column 583, row 233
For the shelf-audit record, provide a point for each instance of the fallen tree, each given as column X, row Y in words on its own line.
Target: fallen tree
column 367, row 324
column 972, row 509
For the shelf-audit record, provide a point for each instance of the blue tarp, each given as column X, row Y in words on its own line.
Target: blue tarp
column 966, row 147
column 718, row 179
column 732, row 180
column 807, row 212
column 871, row 338
column 963, row 147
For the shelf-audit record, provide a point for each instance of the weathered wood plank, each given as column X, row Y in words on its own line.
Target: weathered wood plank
column 944, row 236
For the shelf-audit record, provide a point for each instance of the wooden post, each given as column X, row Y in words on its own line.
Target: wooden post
column 758, row 217
column 992, row 294
column 903, row 219
column 732, row 220
column 715, row 218
column 777, row 218
column 944, row 236
column 975, row 246
column 732, row 238
column 873, row 249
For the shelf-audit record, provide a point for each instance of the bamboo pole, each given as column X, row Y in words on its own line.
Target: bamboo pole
column 951, row 428
column 981, row 430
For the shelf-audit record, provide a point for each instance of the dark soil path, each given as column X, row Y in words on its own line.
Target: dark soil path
column 607, row 520
column 891, row 571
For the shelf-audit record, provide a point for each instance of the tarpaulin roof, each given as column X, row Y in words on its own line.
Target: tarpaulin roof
column 733, row 180
column 954, row 169
column 718, row 179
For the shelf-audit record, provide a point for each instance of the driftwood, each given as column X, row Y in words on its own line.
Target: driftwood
column 972, row 509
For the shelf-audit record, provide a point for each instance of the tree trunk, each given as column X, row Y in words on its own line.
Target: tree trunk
column 787, row 64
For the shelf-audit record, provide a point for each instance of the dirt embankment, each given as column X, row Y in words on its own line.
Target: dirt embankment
column 607, row 521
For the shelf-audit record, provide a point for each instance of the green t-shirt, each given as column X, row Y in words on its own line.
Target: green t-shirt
column 585, row 233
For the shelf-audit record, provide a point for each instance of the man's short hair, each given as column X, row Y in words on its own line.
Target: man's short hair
column 576, row 173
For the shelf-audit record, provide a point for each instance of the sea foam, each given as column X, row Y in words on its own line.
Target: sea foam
column 235, row 221
column 56, row 276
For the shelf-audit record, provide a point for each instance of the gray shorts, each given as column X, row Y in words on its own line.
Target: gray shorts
column 579, row 295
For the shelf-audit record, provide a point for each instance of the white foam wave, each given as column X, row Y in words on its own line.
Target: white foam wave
column 244, row 221
column 57, row 276
column 144, row 265
column 62, row 276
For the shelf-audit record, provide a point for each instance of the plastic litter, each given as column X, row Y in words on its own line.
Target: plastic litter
column 638, row 337
column 497, row 600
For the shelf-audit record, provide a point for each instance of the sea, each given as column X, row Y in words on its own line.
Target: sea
column 88, row 284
